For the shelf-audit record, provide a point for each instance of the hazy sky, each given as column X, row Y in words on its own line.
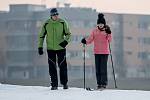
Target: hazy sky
column 119, row 6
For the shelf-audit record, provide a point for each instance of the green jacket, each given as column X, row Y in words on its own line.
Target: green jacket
column 55, row 33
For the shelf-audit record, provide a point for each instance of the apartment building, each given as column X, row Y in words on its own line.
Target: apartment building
column 19, row 31
column 21, row 25
column 137, row 45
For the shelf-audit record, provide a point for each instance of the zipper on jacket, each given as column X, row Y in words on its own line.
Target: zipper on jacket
column 53, row 40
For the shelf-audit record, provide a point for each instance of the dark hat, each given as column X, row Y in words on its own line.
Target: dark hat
column 54, row 12
column 101, row 19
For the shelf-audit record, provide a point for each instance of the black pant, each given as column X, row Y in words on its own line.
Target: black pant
column 101, row 68
column 62, row 64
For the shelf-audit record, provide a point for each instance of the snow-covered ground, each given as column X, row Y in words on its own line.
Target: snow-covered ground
column 15, row 92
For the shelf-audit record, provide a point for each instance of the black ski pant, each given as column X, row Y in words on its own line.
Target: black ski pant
column 101, row 68
column 62, row 64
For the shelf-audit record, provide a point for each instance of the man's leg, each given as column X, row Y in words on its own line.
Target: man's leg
column 61, row 54
column 52, row 68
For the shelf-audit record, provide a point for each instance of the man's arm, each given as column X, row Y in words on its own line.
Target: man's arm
column 67, row 35
column 42, row 35
column 67, row 32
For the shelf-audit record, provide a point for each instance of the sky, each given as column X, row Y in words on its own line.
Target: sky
column 15, row 92
column 117, row 6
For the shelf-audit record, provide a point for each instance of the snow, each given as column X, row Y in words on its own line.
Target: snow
column 16, row 92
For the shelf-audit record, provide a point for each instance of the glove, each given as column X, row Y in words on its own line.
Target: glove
column 107, row 29
column 83, row 41
column 40, row 51
column 63, row 44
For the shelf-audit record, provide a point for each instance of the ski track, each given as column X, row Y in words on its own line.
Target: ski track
column 16, row 92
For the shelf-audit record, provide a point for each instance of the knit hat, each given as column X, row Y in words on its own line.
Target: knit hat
column 54, row 12
column 101, row 19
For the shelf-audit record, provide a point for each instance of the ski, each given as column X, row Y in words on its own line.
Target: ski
column 90, row 89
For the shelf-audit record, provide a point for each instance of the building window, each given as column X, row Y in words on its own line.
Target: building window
column 76, row 38
column 87, row 55
column 129, row 52
column 1, row 73
column 88, row 24
column 77, row 24
column 77, row 54
column 144, row 40
column 20, row 75
column 20, row 42
column 115, row 24
column 73, row 54
column 129, row 38
column 19, row 72
column 19, row 25
column 38, row 24
column 144, row 26
column 20, row 57
column 144, row 55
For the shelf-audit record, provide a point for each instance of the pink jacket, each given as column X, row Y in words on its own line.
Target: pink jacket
column 100, row 38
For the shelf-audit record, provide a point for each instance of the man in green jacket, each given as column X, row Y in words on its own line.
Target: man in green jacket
column 57, row 36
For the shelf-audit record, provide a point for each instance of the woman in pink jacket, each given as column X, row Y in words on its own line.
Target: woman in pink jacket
column 101, row 36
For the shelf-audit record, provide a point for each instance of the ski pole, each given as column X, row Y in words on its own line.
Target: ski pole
column 112, row 65
column 84, row 65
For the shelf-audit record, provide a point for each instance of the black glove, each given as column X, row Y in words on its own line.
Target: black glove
column 107, row 29
column 83, row 41
column 40, row 51
column 63, row 44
